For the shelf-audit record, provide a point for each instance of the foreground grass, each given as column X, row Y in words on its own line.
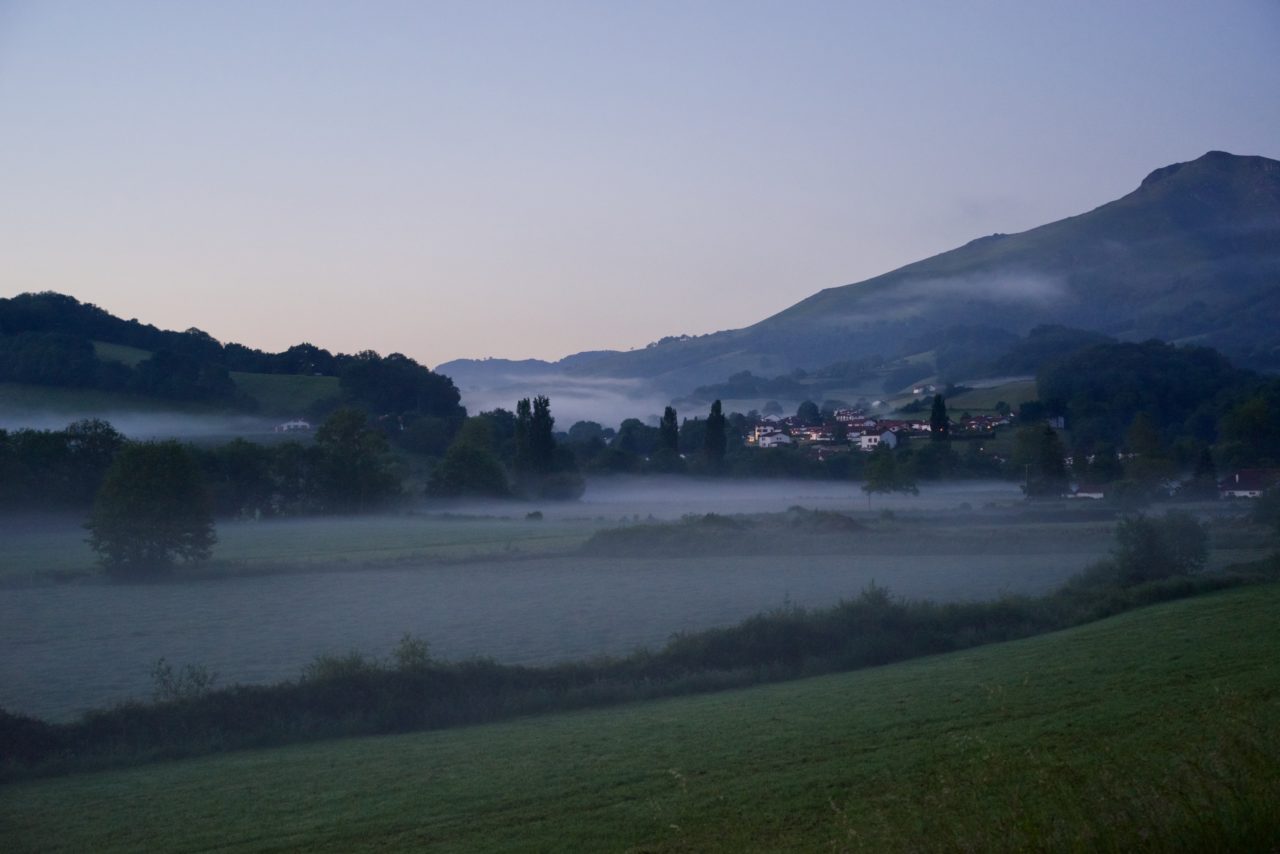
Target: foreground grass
column 1153, row 730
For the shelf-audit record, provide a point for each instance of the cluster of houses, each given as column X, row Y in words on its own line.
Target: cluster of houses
column 857, row 428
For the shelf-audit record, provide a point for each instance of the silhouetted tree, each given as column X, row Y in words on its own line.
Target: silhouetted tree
column 669, row 431
column 470, row 467
column 1040, row 456
column 884, row 474
column 153, row 508
column 939, row 423
column 808, row 413
column 355, row 464
column 715, row 442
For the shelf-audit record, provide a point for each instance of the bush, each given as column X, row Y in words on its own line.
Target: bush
column 1148, row 549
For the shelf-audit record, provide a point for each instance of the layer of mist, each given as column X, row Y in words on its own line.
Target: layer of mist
column 630, row 497
column 150, row 425
column 606, row 401
column 74, row 647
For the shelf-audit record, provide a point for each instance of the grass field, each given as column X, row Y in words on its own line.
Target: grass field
column 53, row 547
column 17, row 398
column 285, row 394
column 58, row 546
column 1155, row 730
column 122, row 353
column 985, row 399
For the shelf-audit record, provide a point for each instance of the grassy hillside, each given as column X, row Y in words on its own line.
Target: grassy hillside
column 1189, row 254
column 285, row 394
column 122, row 353
column 1155, row 730
column 985, row 399
column 277, row 394
column 78, row 402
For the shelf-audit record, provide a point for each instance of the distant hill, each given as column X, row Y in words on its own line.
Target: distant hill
column 58, row 353
column 1191, row 255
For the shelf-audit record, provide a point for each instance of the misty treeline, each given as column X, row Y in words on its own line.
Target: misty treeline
column 1141, row 415
column 48, row 339
column 347, row 468
column 353, row 694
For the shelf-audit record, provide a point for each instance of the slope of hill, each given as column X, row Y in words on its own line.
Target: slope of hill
column 1154, row 730
column 1191, row 254
column 57, row 352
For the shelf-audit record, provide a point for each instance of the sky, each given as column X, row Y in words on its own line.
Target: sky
column 534, row 179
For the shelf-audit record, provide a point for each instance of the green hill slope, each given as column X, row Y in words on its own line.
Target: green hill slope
column 1155, row 730
column 1193, row 254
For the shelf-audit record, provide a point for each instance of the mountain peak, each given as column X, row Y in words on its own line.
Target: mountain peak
column 1210, row 160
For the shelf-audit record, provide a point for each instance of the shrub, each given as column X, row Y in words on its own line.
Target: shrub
column 1148, row 548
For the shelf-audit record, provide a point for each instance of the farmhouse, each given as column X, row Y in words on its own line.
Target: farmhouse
column 1089, row 491
column 1247, row 483
column 294, row 426
column 774, row 440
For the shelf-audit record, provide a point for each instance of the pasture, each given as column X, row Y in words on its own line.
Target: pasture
column 1154, row 730
column 520, row 591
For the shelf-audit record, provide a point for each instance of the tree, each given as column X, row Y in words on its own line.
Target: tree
column 716, row 442
column 808, row 413
column 636, row 437
column 1040, row 455
column 939, row 424
column 535, row 442
column 397, row 384
column 885, row 475
column 669, row 431
column 153, row 509
column 355, row 464
column 470, row 466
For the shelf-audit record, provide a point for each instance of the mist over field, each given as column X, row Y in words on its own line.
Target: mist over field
column 70, row 648
column 471, row 582
column 143, row 426
column 605, row 401
column 671, row 497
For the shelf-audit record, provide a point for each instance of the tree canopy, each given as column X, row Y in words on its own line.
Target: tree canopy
column 153, row 509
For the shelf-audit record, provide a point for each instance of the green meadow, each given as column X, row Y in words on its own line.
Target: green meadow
column 58, row 547
column 1154, row 730
column 286, row 394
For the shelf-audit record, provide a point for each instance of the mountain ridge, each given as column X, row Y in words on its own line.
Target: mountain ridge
column 1191, row 254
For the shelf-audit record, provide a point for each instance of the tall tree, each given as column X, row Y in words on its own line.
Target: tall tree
column 523, row 459
column 355, row 466
column 534, row 439
column 716, row 442
column 1040, row 454
column 542, row 442
column 669, row 431
column 153, row 509
column 939, row 423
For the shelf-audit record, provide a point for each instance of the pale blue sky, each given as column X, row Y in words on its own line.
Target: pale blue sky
column 534, row 179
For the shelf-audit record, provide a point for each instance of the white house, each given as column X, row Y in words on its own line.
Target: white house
column 774, row 440
column 293, row 426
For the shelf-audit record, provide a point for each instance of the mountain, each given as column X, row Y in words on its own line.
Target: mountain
column 1191, row 255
